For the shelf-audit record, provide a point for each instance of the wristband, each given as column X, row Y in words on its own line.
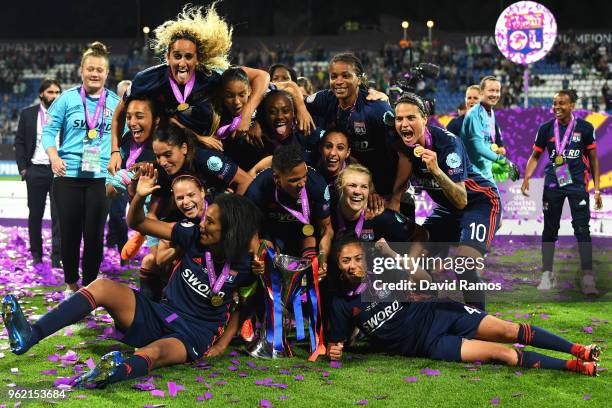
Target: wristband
column 116, row 151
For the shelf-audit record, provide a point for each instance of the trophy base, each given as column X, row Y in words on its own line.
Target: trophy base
column 260, row 348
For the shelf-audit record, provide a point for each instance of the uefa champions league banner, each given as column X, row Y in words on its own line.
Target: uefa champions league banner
column 519, row 127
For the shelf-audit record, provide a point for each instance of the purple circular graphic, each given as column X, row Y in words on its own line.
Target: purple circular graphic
column 525, row 32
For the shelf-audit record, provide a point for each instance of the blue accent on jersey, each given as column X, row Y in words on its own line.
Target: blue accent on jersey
column 367, row 132
column 575, row 153
column 477, row 138
column 67, row 113
column 454, row 162
column 154, row 82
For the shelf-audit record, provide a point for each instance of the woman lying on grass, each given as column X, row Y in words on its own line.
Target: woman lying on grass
column 446, row 330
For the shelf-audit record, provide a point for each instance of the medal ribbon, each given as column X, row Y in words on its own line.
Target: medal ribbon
column 358, row 226
column 358, row 291
column 216, row 283
column 92, row 122
column 559, row 147
column 224, row 131
column 180, row 97
column 304, row 216
column 135, row 151
column 490, row 122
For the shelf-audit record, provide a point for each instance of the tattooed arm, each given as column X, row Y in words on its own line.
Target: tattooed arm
column 454, row 191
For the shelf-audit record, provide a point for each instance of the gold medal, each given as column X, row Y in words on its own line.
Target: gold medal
column 418, row 151
column 216, row 300
column 308, row 230
column 559, row 160
column 494, row 148
column 92, row 133
column 182, row 107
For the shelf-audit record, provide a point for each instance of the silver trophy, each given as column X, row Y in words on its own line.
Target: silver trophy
column 288, row 268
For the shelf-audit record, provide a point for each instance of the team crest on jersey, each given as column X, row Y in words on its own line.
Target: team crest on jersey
column 367, row 235
column 214, row 163
column 360, row 128
column 187, row 224
column 576, row 137
column 453, row 160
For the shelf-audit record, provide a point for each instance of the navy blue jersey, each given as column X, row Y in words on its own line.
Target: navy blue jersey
column 454, row 126
column 398, row 327
column 575, row 153
column 454, row 162
column 278, row 222
column 390, row 225
column 366, row 131
column 155, row 83
column 309, row 144
column 216, row 169
column 188, row 290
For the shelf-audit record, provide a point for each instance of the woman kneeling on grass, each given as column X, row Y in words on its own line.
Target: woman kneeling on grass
column 448, row 331
column 196, row 303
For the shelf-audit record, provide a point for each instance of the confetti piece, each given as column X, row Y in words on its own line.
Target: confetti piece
column 171, row 318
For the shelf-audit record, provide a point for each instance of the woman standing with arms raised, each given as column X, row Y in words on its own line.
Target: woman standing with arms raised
column 79, row 164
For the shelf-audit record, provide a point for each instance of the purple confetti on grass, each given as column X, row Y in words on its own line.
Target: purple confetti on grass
column 242, row 374
column 283, row 397
column 90, row 363
column 410, row 379
column 221, row 383
column 174, row 388
column 544, row 316
column 588, row 330
column 265, row 403
column 147, row 386
column 49, row 372
column 430, row 372
column 298, row 377
column 232, row 368
column 362, row 402
column 495, row 401
column 158, row 393
column 335, row 364
column 586, row 397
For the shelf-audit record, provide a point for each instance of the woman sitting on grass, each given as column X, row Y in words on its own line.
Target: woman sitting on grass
column 448, row 331
column 196, row 303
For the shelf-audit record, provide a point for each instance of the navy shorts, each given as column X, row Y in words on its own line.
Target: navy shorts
column 452, row 322
column 475, row 226
column 151, row 323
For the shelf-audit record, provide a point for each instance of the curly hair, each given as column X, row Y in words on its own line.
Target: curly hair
column 211, row 34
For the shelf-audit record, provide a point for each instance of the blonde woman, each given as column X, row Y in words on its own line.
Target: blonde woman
column 195, row 47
